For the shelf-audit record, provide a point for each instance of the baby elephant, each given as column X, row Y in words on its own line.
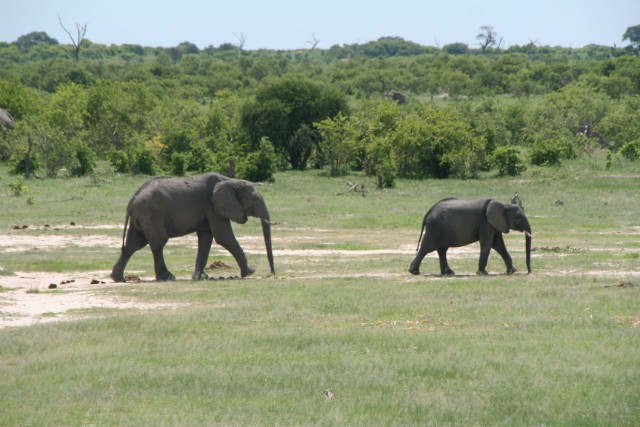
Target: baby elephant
column 458, row 222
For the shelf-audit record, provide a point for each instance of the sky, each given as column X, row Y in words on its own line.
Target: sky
column 294, row 24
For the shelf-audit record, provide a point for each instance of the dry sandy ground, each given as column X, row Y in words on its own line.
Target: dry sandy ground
column 26, row 298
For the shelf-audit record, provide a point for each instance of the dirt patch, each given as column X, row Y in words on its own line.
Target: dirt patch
column 37, row 297
column 29, row 298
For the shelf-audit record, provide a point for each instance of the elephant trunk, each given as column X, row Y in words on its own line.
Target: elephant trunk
column 527, row 244
column 266, row 231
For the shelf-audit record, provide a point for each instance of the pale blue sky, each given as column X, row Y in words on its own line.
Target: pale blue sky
column 290, row 24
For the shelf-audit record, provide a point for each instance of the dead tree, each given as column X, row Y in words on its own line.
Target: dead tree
column 77, row 42
column 314, row 42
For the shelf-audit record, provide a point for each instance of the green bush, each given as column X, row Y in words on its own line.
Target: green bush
column 631, row 150
column 259, row 165
column 178, row 163
column 85, row 161
column 119, row 161
column 508, row 162
column 144, row 162
column 18, row 164
column 546, row 152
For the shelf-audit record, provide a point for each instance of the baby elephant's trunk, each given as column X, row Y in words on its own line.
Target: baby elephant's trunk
column 266, row 231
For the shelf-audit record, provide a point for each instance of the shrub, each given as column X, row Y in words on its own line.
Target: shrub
column 144, row 161
column 18, row 164
column 259, row 165
column 508, row 162
column 85, row 161
column 551, row 151
column 631, row 150
column 178, row 163
column 119, row 161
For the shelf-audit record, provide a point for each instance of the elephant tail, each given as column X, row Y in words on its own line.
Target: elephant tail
column 424, row 225
column 126, row 223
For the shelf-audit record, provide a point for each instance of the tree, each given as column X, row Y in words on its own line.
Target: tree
column 35, row 38
column 336, row 133
column 77, row 41
column 488, row 38
column 633, row 35
column 285, row 109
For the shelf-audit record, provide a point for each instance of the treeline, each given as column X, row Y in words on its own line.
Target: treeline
column 250, row 113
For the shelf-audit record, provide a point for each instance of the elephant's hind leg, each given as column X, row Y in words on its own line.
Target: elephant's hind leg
column 425, row 248
column 134, row 242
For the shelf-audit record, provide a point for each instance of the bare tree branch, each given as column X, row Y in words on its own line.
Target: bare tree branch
column 314, row 42
column 77, row 42
column 241, row 41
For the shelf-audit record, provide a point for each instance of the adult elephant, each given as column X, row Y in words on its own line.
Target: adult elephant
column 171, row 207
column 458, row 222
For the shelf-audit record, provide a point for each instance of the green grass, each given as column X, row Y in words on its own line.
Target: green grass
column 558, row 347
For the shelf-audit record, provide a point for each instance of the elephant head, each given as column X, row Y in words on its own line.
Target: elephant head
column 237, row 200
column 508, row 216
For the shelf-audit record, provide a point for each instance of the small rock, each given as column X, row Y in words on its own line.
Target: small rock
column 53, row 286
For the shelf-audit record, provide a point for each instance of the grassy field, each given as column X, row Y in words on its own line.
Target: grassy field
column 558, row 347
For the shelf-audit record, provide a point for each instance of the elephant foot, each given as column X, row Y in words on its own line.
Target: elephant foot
column 482, row 273
column 118, row 278
column 248, row 272
column 511, row 270
column 448, row 272
column 199, row 275
column 165, row 277
column 415, row 272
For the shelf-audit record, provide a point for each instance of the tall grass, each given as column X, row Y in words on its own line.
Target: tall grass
column 558, row 347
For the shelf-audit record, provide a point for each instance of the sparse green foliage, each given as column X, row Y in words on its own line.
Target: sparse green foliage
column 547, row 152
column 508, row 162
column 631, row 150
column 85, row 161
column 260, row 165
column 337, row 138
column 18, row 187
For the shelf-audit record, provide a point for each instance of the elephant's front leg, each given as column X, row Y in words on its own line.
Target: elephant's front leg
column 205, row 238
column 223, row 234
column 445, row 270
column 501, row 248
column 162, row 272
column 485, row 247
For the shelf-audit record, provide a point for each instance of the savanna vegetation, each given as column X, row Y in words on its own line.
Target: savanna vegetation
column 250, row 113
column 557, row 125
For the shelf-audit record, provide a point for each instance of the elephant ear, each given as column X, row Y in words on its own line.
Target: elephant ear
column 226, row 202
column 497, row 216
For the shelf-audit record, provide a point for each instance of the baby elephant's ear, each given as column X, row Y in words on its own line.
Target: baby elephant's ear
column 226, row 203
column 497, row 216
